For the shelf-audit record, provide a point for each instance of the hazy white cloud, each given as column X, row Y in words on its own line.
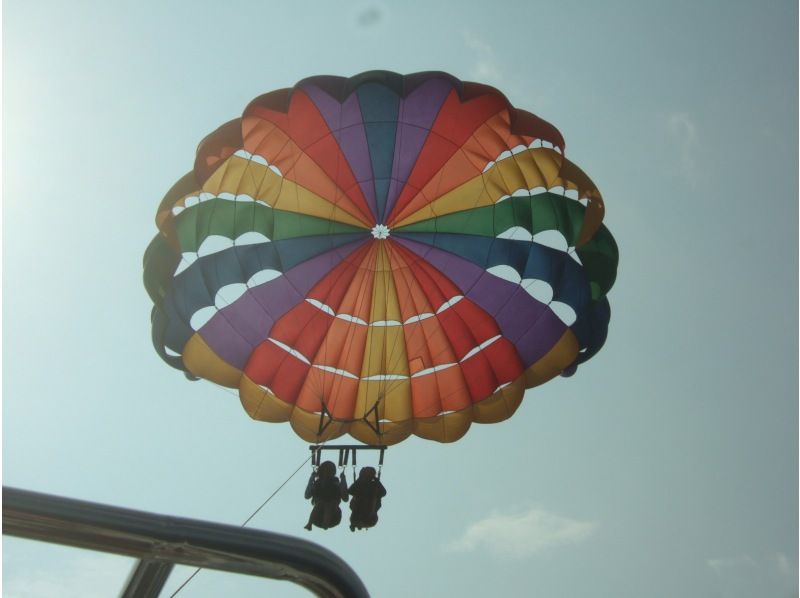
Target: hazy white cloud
column 723, row 564
column 778, row 562
column 95, row 574
column 486, row 68
column 743, row 576
column 684, row 135
column 522, row 533
column 784, row 565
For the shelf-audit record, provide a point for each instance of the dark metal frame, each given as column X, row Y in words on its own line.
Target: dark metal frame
column 345, row 452
column 160, row 541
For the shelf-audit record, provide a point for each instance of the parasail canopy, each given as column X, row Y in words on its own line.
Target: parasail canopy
column 381, row 256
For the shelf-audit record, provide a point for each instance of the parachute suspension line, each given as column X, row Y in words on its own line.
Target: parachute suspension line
column 246, row 521
column 323, row 411
column 374, row 411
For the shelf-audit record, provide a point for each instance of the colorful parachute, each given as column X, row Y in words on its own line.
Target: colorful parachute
column 381, row 256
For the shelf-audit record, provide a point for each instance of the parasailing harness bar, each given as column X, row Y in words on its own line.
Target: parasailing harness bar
column 345, row 450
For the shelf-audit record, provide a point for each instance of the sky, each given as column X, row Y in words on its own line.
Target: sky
column 667, row 466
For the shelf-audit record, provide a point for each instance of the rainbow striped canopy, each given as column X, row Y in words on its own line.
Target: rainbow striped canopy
column 381, row 256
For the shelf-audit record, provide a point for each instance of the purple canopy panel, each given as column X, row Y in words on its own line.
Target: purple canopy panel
column 344, row 120
column 416, row 116
column 235, row 330
column 525, row 321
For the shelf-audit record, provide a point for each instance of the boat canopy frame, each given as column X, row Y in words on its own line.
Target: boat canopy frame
column 161, row 541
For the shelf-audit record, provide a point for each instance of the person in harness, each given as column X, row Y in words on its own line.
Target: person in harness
column 326, row 491
column 367, row 492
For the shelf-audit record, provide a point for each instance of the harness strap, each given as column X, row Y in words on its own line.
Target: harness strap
column 380, row 463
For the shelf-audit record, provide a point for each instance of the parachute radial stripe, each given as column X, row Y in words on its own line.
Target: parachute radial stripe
column 455, row 122
column 381, row 256
column 233, row 219
column 270, row 301
column 536, row 167
column 240, row 176
column 302, row 146
column 513, row 309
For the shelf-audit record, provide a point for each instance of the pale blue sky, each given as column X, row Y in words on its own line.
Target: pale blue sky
column 666, row 467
